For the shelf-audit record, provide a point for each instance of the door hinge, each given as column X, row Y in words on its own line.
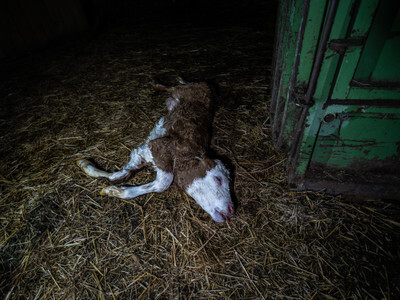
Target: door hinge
column 340, row 45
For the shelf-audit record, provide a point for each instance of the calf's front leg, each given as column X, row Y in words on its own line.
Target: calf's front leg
column 161, row 183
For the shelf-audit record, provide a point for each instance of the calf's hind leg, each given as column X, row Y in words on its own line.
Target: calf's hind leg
column 137, row 158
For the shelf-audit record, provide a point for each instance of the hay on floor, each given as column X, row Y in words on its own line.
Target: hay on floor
column 61, row 240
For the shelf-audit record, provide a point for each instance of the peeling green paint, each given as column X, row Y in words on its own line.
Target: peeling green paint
column 354, row 122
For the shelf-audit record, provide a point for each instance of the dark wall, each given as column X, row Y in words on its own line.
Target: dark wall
column 27, row 26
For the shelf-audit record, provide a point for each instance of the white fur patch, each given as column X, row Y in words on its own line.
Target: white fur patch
column 212, row 192
column 158, row 131
column 145, row 153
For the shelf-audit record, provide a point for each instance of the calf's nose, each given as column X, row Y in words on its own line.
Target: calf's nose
column 231, row 211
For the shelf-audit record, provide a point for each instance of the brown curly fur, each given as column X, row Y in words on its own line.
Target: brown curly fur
column 183, row 149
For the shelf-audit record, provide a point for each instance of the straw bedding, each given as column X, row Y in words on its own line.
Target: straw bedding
column 61, row 240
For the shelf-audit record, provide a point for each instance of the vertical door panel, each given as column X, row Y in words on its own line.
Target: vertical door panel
column 350, row 138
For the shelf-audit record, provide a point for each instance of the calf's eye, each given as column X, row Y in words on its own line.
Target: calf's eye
column 218, row 180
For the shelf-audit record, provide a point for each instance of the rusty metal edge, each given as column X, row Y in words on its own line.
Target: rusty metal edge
column 357, row 190
column 278, row 143
column 364, row 102
column 314, row 76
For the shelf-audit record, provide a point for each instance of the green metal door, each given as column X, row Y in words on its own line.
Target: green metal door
column 336, row 95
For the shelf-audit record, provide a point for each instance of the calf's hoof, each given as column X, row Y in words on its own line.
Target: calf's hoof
column 112, row 191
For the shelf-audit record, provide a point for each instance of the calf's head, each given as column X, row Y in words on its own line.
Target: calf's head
column 212, row 193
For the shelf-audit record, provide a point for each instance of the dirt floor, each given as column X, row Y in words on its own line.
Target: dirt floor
column 59, row 239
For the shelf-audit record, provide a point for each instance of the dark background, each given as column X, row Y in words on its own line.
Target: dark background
column 28, row 27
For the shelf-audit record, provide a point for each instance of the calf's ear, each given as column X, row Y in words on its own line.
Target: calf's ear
column 208, row 163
